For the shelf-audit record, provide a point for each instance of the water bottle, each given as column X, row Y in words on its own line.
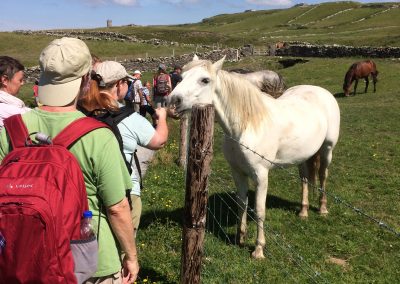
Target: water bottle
column 86, row 225
column 2, row 243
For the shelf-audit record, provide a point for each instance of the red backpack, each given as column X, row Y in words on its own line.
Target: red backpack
column 42, row 199
column 162, row 87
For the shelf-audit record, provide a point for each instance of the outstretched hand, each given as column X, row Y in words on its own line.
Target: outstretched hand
column 130, row 270
column 160, row 114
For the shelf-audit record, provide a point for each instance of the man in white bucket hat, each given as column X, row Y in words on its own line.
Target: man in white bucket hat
column 65, row 74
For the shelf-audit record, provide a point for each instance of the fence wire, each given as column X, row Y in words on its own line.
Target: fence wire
column 282, row 249
column 285, row 248
column 337, row 199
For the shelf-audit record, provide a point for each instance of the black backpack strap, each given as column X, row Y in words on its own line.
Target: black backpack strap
column 112, row 118
column 137, row 163
column 123, row 113
column 75, row 130
column 17, row 131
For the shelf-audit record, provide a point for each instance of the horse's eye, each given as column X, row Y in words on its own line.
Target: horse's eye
column 205, row 80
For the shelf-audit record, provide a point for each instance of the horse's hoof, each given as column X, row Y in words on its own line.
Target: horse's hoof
column 240, row 240
column 258, row 253
column 303, row 214
column 323, row 212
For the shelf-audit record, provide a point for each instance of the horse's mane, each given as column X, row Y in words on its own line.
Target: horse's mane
column 242, row 100
column 348, row 78
column 196, row 63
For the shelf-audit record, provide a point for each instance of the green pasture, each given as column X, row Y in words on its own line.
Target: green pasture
column 343, row 247
column 348, row 23
column 27, row 48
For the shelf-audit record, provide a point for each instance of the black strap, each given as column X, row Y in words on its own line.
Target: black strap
column 137, row 163
column 112, row 119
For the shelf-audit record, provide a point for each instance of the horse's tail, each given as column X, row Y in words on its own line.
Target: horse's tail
column 313, row 165
column 274, row 88
column 374, row 71
column 317, row 163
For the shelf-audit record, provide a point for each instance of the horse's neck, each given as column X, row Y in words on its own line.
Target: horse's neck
column 238, row 104
column 349, row 77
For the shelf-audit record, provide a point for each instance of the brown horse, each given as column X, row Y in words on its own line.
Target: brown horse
column 357, row 71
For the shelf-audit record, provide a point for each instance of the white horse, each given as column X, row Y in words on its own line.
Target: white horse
column 267, row 81
column 300, row 127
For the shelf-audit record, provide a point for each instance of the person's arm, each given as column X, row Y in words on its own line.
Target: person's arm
column 148, row 99
column 154, row 85
column 121, row 223
column 141, row 96
column 161, row 134
column 139, row 89
column 169, row 84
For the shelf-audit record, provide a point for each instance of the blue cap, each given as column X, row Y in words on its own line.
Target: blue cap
column 87, row 214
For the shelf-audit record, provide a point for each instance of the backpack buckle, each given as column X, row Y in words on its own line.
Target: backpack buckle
column 40, row 139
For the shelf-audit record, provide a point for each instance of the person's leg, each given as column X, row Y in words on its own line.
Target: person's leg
column 115, row 278
column 158, row 101
column 142, row 111
column 136, row 107
column 164, row 101
column 136, row 211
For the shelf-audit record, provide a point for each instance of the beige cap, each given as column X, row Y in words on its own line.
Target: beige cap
column 112, row 71
column 62, row 63
column 137, row 72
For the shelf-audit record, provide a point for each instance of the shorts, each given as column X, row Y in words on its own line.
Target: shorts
column 115, row 278
column 136, row 211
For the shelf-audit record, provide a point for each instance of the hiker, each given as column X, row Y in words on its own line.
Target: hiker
column 110, row 85
column 146, row 106
column 161, row 86
column 95, row 61
column 35, row 90
column 11, row 80
column 176, row 76
column 65, row 73
column 137, row 90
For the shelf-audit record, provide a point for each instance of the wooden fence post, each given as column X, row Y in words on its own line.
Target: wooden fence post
column 184, row 123
column 197, row 173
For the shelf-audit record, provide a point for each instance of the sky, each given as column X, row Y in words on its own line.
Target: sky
column 82, row 14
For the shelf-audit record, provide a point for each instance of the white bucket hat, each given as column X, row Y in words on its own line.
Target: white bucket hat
column 63, row 63
column 112, row 71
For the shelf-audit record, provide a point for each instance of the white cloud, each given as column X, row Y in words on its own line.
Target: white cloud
column 118, row 2
column 125, row 2
column 182, row 1
column 271, row 2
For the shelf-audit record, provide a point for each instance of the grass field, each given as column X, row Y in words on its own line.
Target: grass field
column 344, row 247
column 347, row 23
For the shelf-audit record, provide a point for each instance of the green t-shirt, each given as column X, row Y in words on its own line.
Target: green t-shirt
column 103, row 169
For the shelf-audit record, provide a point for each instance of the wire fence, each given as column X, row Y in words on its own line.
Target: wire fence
column 222, row 216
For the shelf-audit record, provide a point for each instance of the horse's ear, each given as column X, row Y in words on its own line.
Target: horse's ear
column 195, row 57
column 218, row 65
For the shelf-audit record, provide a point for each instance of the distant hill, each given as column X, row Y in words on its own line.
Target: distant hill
column 344, row 23
column 348, row 23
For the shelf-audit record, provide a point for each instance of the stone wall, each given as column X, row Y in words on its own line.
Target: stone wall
column 151, row 64
column 297, row 49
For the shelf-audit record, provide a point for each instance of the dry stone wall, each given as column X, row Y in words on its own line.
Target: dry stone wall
column 150, row 64
column 308, row 50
